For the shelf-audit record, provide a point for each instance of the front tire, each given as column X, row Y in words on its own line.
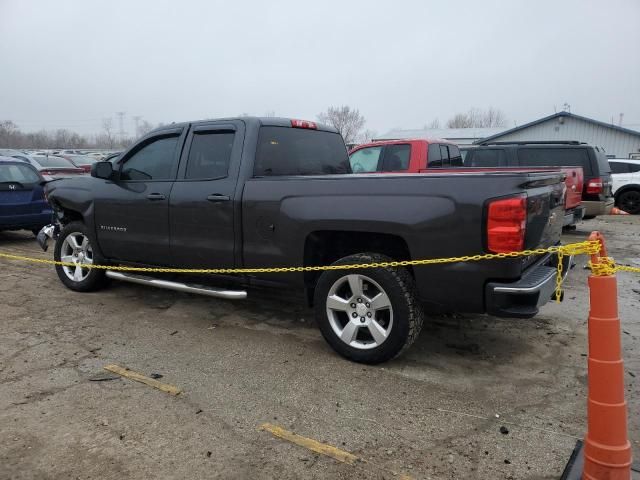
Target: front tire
column 368, row 315
column 75, row 245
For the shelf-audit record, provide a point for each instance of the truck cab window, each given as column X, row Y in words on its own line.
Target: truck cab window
column 434, row 157
column 209, row 155
column 154, row 161
column 454, row 156
column 365, row 160
column 444, row 153
column 492, row 157
column 300, row 151
column 396, row 157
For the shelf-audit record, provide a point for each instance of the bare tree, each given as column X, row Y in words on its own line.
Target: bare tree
column 270, row 113
column 367, row 136
column 475, row 118
column 346, row 120
column 8, row 131
column 494, row 118
column 435, row 123
column 107, row 126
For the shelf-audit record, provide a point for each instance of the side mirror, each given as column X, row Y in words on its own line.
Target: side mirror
column 102, row 170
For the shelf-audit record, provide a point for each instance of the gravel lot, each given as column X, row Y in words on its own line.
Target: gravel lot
column 434, row 413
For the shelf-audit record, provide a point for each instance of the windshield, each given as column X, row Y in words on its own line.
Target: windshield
column 365, row 159
column 54, row 162
column 300, row 151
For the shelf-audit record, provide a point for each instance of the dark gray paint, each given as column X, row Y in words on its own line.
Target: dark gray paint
column 266, row 221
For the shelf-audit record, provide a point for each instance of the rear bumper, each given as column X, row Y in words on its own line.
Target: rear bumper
column 601, row 207
column 27, row 221
column 573, row 216
column 523, row 298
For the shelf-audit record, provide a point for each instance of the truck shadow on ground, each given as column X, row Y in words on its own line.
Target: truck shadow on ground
column 462, row 339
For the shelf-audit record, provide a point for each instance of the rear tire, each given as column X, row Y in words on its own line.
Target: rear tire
column 368, row 315
column 629, row 201
column 75, row 244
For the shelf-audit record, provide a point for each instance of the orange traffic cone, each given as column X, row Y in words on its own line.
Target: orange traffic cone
column 607, row 451
column 617, row 211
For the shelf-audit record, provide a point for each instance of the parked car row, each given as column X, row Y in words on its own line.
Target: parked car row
column 22, row 202
column 587, row 173
column 626, row 184
column 77, row 161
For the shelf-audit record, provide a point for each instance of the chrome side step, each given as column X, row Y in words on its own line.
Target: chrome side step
column 180, row 287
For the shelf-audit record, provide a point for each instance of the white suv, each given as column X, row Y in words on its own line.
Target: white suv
column 625, row 176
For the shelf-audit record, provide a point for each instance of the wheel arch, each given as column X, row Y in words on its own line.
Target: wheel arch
column 626, row 188
column 324, row 247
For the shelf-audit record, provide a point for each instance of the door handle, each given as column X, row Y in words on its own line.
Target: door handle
column 216, row 197
column 156, row 196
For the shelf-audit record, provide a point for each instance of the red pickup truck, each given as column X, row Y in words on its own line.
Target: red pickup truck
column 434, row 155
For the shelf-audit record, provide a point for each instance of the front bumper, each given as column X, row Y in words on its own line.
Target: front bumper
column 47, row 232
column 595, row 208
column 25, row 221
column 523, row 298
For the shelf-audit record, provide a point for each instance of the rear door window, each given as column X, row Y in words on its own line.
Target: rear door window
column 619, row 167
column 556, row 157
column 365, row 160
column 300, row 151
column 490, row 157
column 396, row 157
column 209, row 155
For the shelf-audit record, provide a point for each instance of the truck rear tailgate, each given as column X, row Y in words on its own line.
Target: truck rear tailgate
column 545, row 210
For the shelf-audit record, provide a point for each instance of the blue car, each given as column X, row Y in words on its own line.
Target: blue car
column 22, row 202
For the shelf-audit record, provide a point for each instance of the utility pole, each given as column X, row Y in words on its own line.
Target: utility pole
column 136, row 120
column 121, row 124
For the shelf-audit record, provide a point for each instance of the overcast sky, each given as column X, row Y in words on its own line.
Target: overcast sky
column 68, row 64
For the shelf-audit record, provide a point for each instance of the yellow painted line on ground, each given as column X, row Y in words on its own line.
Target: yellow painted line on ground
column 322, row 448
column 138, row 377
column 310, row 444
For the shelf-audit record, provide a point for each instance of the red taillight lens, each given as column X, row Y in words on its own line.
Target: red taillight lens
column 506, row 224
column 594, row 186
column 304, row 124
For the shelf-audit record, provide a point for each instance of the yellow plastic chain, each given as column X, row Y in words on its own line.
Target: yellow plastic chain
column 588, row 247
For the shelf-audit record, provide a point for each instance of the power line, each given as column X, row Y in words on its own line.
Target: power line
column 121, row 122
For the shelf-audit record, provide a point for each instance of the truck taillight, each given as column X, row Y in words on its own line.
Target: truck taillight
column 506, row 224
column 304, row 124
column 594, row 186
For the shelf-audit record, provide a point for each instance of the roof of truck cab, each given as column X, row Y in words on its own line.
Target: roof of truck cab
column 256, row 121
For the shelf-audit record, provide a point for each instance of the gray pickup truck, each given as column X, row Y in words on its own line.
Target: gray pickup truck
column 267, row 192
